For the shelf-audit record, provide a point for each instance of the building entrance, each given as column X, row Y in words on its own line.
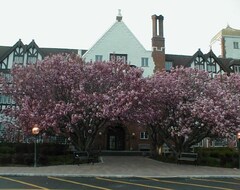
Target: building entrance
column 116, row 138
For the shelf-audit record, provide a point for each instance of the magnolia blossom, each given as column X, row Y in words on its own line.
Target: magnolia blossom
column 184, row 106
column 62, row 94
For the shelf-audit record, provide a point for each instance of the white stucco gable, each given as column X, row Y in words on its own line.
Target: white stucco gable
column 120, row 40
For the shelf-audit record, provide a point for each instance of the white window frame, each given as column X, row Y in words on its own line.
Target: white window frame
column 144, row 135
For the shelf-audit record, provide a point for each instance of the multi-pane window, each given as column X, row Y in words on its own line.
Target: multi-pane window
column 144, row 62
column 199, row 63
column 31, row 59
column 211, row 68
column 98, row 58
column 199, row 66
column 168, row 65
column 118, row 57
column 18, row 59
column 144, row 135
column 235, row 45
column 236, row 69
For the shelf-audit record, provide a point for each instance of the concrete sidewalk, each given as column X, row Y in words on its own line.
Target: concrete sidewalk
column 124, row 166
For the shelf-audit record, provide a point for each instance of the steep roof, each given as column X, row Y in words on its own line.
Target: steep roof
column 178, row 60
column 117, row 34
column 6, row 50
column 228, row 31
column 50, row 51
column 185, row 60
column 3, row 50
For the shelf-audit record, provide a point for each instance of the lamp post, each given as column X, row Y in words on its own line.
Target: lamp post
column 35, row 131
column 238, row 145
column 100, row 135
column 132, row 141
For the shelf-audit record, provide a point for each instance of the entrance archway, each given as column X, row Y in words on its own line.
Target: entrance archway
column 116, row 138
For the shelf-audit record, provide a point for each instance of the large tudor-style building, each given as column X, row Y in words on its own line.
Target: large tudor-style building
column 120, row 43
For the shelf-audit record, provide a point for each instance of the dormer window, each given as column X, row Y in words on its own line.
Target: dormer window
column 18, row 56
column 31, row 59
column 199, row 66
column 199, row 63
column 18, row 59
column 211, row 68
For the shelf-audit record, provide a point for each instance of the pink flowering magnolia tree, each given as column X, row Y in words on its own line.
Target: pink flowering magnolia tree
column 185, row 106
column 64, row 95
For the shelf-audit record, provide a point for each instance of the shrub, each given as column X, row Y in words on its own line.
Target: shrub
column 53, row 149
column 223, row 157
column 23, row 154
column 5, row 149
column 22, row 148
column 5, row 159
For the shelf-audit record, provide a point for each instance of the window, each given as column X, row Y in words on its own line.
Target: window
column 18, row 59
column 32, row 60
column 144, row 135
column 235, row 45
column 98, row 57
column 199, row 66
column 211, row 68
column 168, row 66
column 144, row 62
column 236, row 69
column 199, row 63
column 118, row 57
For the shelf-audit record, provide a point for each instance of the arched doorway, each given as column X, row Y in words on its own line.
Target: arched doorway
column 116, row 138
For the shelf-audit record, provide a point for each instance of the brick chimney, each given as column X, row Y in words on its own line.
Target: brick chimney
column 158, row 43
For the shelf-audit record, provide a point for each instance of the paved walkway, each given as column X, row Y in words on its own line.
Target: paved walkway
column 124, row 166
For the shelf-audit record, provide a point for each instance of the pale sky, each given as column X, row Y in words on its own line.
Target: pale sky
column 78, row 24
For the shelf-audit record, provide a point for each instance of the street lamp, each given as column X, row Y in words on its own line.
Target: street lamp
column 238, row 145
column 100, row 135
column 35, row 131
